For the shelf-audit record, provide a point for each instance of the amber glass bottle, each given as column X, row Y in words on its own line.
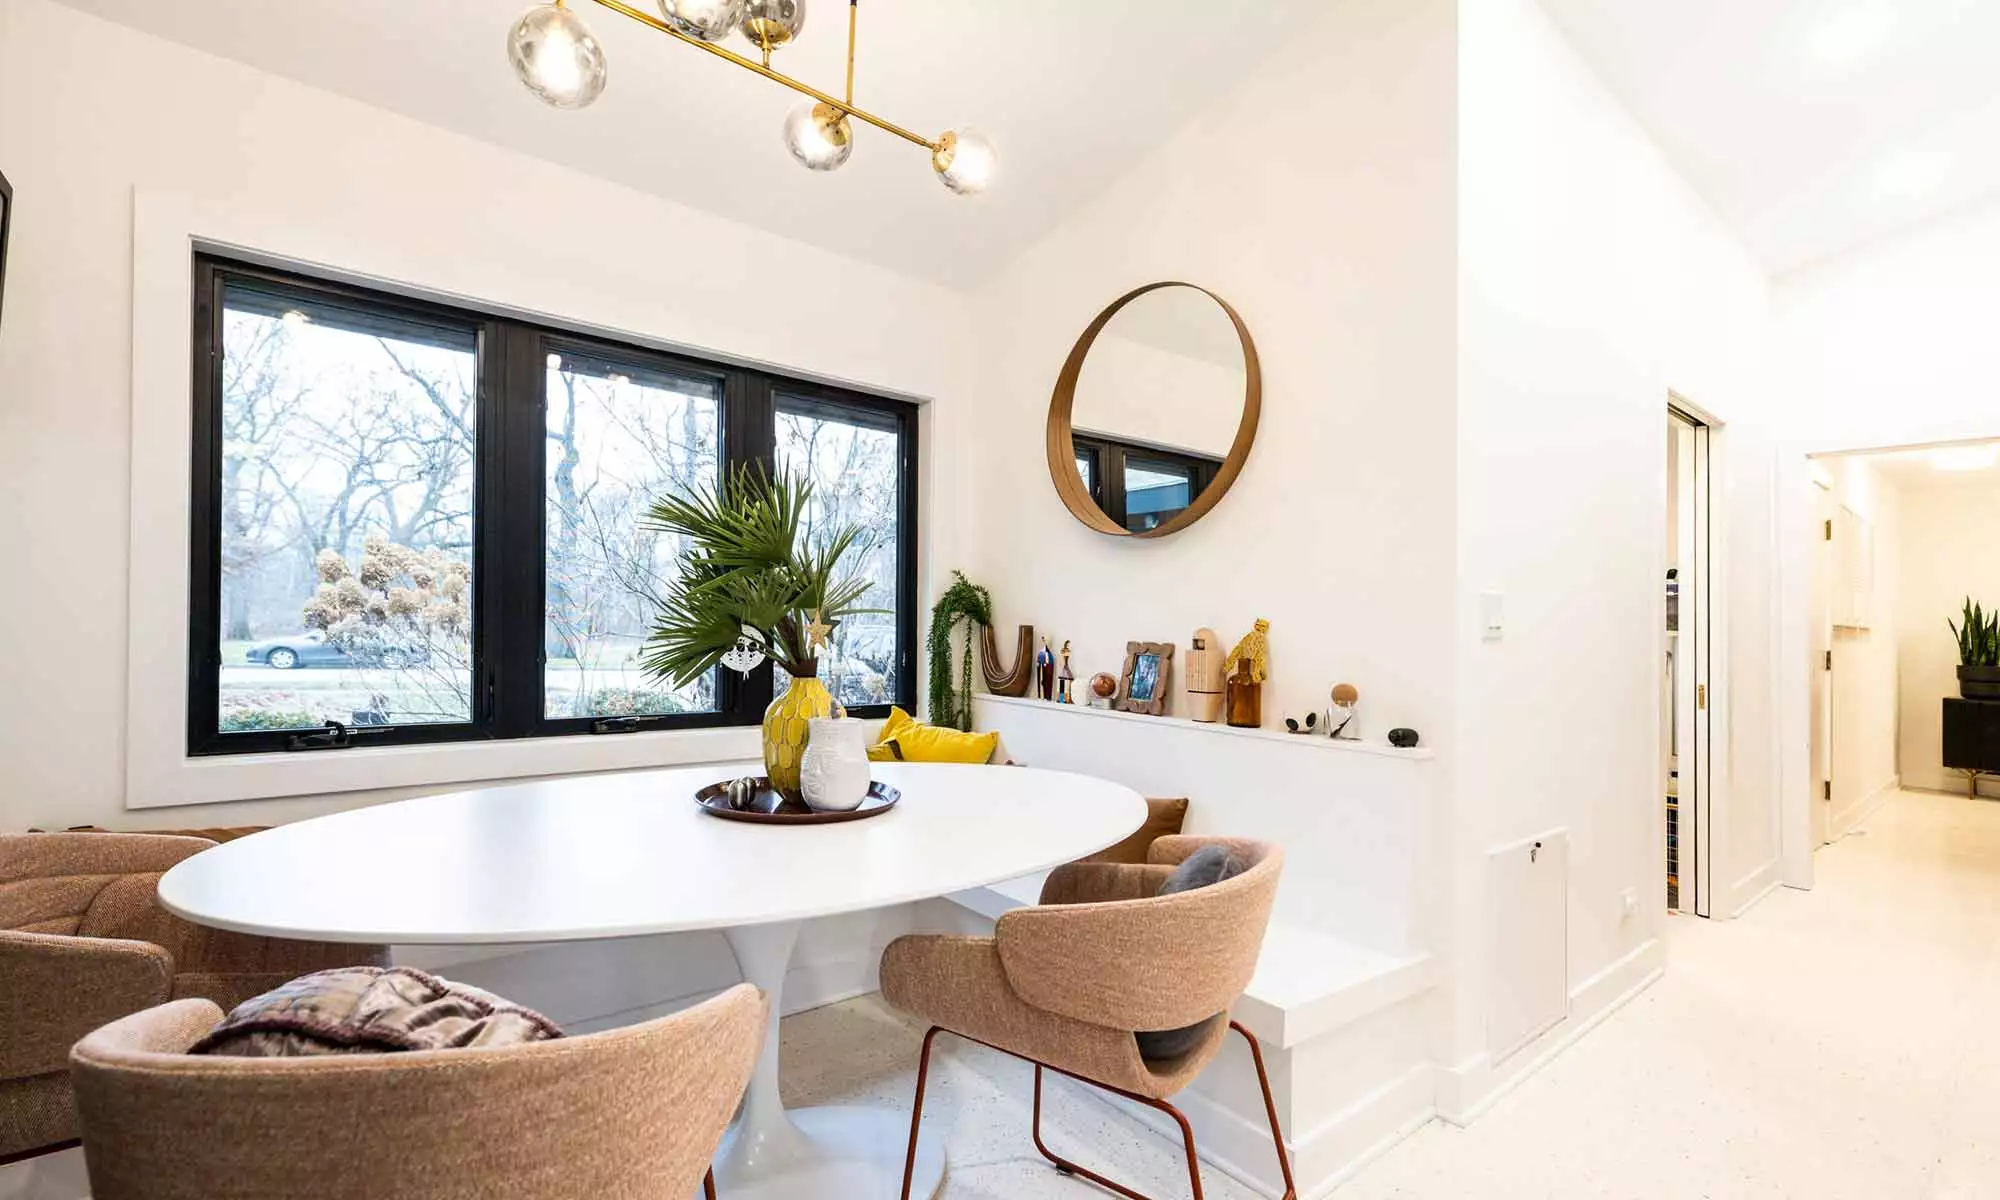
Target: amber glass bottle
column 1246, row 697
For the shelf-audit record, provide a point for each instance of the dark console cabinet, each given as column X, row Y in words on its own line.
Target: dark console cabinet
column 1972, row 735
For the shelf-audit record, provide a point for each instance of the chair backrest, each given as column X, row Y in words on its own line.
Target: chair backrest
column 1161, row 962
column 630, row 1112
column 86, row 884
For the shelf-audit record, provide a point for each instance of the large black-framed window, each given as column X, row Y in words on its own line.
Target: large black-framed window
column 421, row 521
column 1140, row 486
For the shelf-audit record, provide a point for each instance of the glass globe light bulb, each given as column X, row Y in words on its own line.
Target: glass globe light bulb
column 555, row 54
column 965, row 161
column 770, row 24
column 709, row 20
column 819, row 136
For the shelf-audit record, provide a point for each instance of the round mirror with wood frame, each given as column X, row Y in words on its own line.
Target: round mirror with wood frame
column 1066, row 441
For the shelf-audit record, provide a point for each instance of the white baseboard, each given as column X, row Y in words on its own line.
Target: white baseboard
column 1467, row 1090
column 1753, row 887
column 1840, row 824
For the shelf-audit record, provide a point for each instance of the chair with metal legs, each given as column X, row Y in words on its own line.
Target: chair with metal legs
column 1064, row 985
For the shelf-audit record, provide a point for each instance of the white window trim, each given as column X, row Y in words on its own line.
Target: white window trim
column 168, row 228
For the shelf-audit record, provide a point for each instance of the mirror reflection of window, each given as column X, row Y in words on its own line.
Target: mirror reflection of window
column 1155, row 491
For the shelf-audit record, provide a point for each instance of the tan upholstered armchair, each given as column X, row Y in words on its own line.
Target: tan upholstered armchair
column 1066, row 984
column 84, row 941
column 636, row 1111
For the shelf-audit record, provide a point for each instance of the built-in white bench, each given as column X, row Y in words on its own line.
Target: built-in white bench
column 1308, row 983
column 1341, row 996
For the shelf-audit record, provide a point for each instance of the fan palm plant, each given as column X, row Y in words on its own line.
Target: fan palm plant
column 749, row 570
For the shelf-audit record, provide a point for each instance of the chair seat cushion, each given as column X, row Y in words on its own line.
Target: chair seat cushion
column 1208, row 865
column 368, row 1010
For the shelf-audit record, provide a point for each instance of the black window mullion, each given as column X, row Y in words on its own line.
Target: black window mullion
column 205, row 538
column 512, row 401
column 749, row 438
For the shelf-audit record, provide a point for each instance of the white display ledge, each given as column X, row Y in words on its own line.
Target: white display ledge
column 1305, row 740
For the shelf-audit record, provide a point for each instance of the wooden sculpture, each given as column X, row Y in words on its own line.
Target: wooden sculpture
column 1205, row 680
column 1002, row 679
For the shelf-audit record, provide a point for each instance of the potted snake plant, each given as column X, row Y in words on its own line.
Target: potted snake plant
column 1978, row 634
column 753, row 585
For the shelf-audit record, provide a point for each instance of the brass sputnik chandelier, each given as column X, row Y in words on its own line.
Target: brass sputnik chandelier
column 556, row 55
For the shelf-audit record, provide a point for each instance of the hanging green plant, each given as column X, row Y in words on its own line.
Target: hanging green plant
column 963, row 601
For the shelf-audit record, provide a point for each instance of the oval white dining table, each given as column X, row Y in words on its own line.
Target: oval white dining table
column 608, row 856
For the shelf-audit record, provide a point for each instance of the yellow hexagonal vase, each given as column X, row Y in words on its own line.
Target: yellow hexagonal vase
column 788, row 728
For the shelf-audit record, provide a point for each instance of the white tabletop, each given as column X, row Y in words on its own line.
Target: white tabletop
column 616, row 855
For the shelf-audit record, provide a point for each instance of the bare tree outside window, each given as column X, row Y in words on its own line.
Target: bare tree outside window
column 346, row 498
column 618, row 439
column 855, row 467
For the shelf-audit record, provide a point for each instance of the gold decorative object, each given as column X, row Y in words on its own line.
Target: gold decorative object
column 788, row 730
column 559, row 60
column 1205, row 676
column 1256, row 647
column 819, row 634
column 1061, row 434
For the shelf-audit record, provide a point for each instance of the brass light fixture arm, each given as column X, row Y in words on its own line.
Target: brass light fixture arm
column 653, row 22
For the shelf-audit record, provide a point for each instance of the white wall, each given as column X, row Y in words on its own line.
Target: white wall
column 1592, row 283
column 1865, row 688
column 1950, row 525
column 92, row 114
column 1340, row 261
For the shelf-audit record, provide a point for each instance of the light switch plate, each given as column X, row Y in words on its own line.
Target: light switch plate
column 1492, row 616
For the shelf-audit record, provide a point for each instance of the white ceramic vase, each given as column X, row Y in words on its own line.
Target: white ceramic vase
column 834, row 774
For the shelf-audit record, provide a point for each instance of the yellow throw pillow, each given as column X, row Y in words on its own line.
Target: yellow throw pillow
column 905, row 739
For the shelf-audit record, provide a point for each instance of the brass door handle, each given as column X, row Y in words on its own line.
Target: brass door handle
column 1701, row 696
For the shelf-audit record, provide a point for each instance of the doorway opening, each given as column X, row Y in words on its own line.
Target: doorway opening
column 1684, row 701
column 1897, row 700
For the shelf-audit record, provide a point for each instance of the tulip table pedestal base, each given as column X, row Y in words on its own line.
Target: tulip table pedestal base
column 809, row 1153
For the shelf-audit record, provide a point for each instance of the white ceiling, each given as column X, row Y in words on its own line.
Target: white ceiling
column 1949, row 465
column 1812, row 126
column 1072, row 92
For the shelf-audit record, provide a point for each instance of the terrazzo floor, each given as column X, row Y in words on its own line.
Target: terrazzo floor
column 1843, row 1042
column 1838, row 1043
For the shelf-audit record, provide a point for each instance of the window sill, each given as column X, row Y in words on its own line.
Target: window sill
column 221, row 779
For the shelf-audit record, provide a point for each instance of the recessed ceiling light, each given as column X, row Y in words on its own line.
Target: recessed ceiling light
column 1852, row 35
column 1965, row 458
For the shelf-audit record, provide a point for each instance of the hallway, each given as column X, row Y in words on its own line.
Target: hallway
column 1843, row 1042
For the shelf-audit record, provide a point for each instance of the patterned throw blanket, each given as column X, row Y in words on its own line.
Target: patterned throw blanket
column 370, row 1010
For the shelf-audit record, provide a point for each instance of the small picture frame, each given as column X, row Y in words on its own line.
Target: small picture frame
column 6, row 221
column 1147, row 680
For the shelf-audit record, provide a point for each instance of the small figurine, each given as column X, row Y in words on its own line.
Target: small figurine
column 1205, row 677
column 1103, row 689
column 1403, row 739
column 1340, row 719
column 747, row 653
column 1255, row 647
column 1064, row 677
column 1307, row 724
column 1045, row 672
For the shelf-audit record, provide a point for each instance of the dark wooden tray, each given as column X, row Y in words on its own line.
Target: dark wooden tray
column 769, row 808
